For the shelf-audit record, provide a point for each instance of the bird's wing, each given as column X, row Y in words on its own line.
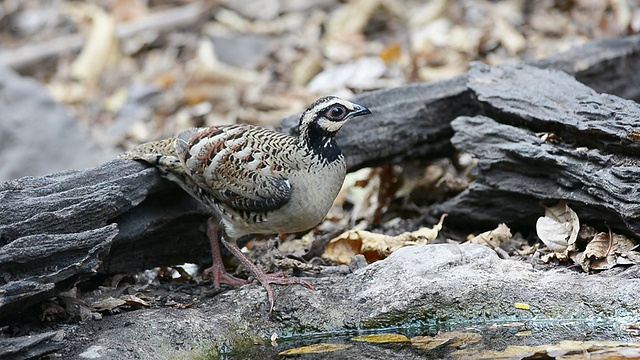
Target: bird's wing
column 237, row 164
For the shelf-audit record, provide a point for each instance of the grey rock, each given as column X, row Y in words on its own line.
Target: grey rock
column 246, row 51
column 38, row 135
column 448, row 284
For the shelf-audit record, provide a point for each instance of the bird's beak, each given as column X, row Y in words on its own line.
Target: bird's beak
column 358, row 110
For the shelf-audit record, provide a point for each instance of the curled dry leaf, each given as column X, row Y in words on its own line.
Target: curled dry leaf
column 305, row 69
column 509, row 37
column 376, row 246
column 607, row 250
column 559, row 227
column 599, row 246
column 493, row 238
column 208, row 65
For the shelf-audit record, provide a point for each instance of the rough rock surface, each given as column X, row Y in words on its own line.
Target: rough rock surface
column 590, row 159
column 447, row 285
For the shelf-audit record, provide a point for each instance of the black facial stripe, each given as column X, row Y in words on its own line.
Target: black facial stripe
column 322, row 143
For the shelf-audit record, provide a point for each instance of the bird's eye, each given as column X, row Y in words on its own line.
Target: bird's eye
column 336, row 112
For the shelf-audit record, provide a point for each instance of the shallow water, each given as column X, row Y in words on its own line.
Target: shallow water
column 490, row 337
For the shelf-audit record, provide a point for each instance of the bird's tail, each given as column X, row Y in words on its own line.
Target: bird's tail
column 161, row 153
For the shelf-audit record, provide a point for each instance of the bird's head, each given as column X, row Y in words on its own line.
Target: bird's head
column 320, row 122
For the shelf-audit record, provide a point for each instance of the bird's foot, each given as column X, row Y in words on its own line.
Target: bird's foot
column 220, row 276
column 265, row 279
column 278, row 278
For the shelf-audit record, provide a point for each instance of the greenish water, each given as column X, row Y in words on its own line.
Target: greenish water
column 493, row 336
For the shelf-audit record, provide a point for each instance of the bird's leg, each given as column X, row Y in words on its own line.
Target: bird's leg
column 264, row 278
column 217, row 271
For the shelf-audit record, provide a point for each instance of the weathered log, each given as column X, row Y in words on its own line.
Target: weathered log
column 410, row 122
column 413, row 122
column 30, row 347
column 610, row 66
column 591, row 160
column 55, row 230
column 129, row 219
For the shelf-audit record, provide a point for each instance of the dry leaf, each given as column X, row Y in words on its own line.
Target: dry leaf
column 351, row 19
column 452, row 339
column 461, row 339
column 305, row 69
column 178, row 305
column 107, row 304
column 100, row 47
column 363, row 73
column 599, row 246
column 493, row 238
column 391, row 53
column 315, row 349
column 381, row 338
column 426, row 13
column 634, row 136
column 564, row 349
column 604, row 263
column 116, row 100
column 629, row 258
column 208, row 67
column 429, row 342
column 559, row 227
column 376, row 246
column 132, row 300
column 607, row 250
column 509, row 36
column 127, row 10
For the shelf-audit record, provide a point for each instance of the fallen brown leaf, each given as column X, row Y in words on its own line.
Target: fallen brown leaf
column 315, row 349
column 376, row 246
column 381, row 338
column 493, row 238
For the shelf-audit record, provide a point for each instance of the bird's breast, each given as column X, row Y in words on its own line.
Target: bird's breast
column 313, row 191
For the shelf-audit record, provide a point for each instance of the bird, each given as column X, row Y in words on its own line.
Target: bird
column 256, row 180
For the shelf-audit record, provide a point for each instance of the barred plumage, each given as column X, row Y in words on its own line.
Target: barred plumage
column 256, row 180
